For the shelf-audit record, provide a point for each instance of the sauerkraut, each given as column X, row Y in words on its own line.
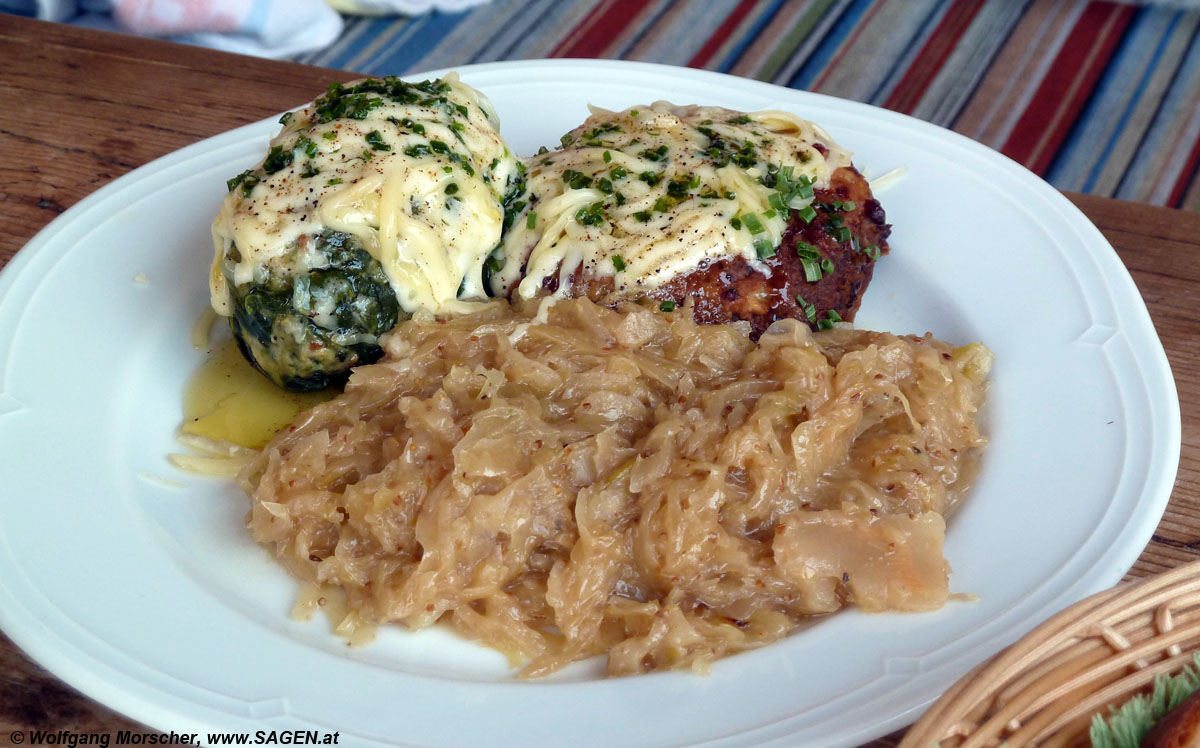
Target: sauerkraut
column 565, row 480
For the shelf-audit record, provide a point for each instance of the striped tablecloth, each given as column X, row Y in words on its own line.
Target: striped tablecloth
column 1095, row 96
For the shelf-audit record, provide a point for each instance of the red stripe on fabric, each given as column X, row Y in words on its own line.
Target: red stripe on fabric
column 578, row 32
column 1067, row 85
column 599, row 29
column 933, row 55
column 1185, row 177
column 846, row 45
column 723, row 32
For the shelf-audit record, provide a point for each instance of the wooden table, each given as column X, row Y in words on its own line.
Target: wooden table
column 80, row 108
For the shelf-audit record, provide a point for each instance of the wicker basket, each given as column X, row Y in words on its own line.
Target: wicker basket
column 1043, row 690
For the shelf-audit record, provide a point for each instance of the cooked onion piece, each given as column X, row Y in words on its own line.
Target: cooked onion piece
column 573, row 480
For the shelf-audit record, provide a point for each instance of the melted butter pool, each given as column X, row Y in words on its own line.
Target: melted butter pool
column 227, row 399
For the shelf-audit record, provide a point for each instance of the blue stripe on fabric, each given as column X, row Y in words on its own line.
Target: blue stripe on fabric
column 425, row 34
column 684, row 35
column 369, row 29
column 1078, row 146
column 820, row 57
column 909, row 53
column 1175, row 106
column 749, row 36
column 646, row 26
column 334, row 56
column 520, row 49
column 1159, row 49
column 544, row 13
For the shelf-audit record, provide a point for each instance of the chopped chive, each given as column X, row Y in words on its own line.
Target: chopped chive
column 633, row 112
column 809, row 310
column 667, row 306
column 849, row 205
column 841, row 234
column 833, row 316
column 736, row 223
column 764, row 249
column 618, row 262
column 607, row 157
column 277, row 159
column 531, row 220
column 642, row 215
column 309, row 147
column 812, row 271
column 776, row 201
column 452, row 188
column 651, row 178
column 286, row 118
column 807, row 214
column 661, row 205
column 753, row 223
column 824, row 325
column 334, row 181
column 826, row 266
column 804, row 249
column 654, row 154
column 576, row 180
column 592, row 215
column 872, row 252
column 310, row 170
column 330, row 135
column 769, row 213
column 375, row 140
column 239, row 179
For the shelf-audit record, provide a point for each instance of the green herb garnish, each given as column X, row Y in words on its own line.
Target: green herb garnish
column 809, row 310
column 277, row 159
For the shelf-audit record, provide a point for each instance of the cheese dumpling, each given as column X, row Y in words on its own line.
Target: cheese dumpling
column 380, row 198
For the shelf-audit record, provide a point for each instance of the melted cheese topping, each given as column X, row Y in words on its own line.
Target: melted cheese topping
column 417, row 172
column 653, row 192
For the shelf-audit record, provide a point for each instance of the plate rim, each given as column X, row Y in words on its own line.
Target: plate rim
column 1118, row 280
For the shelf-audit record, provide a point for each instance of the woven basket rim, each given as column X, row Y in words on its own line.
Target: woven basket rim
column 1045, row 688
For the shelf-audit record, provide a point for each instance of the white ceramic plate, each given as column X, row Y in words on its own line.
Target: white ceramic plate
column 154, row 601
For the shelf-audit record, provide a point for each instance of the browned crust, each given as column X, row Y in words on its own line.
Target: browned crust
column 731, row 289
